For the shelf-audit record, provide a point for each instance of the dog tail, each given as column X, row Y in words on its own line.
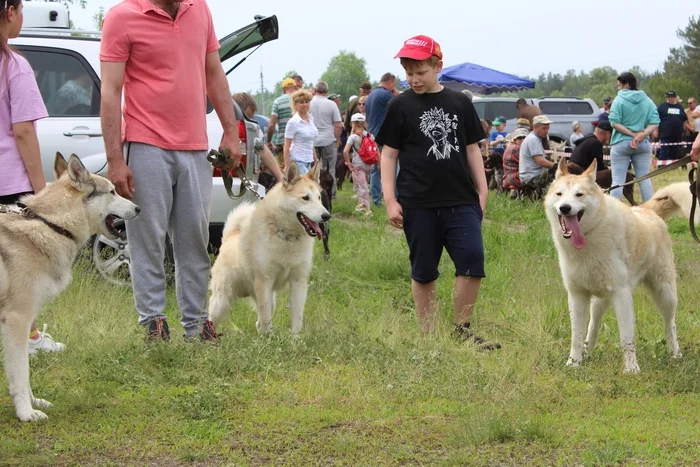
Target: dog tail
column 238, row 218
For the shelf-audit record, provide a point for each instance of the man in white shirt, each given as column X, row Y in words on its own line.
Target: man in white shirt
column 327, row 119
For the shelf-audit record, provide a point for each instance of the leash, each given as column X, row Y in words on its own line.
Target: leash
column 220, row 159
column 695, row 190
column 679, row 163
column 26, row 212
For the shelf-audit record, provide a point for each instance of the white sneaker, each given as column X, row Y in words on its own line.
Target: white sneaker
column 45, row 343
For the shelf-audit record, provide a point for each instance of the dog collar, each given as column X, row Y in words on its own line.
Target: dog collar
column 27, row 213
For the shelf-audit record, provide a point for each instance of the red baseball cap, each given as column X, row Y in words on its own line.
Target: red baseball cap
column 420, row 48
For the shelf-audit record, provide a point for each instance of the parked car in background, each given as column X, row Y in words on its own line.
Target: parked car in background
column 563, row 111
column 59, row 55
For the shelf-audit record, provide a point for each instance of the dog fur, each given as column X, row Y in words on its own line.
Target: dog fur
column 267, row 246
column 674, row 199
column 36, row 262
column 605, row 249
column 326, row 182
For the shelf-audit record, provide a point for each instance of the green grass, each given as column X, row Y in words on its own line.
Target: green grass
column 362, row 386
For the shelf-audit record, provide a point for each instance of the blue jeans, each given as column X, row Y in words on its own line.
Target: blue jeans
column 620, row 156
column 304, row 167
column 375, row 185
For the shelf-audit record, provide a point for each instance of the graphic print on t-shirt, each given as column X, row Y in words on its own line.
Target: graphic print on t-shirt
column 440, row 128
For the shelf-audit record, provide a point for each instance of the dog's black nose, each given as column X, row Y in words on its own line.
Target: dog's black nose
column 564, row 209
column 325, row 217
column 138, row 209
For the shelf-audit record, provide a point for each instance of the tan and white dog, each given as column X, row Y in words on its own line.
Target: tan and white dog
column 267, row 246
column 606, row 249
column 671, row 200
column 38, row 247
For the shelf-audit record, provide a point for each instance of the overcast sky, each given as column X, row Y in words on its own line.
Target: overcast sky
column 522, row 38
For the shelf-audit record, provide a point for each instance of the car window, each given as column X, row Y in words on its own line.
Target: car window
column 566, row 108
column 492, row 109
column 66, row 81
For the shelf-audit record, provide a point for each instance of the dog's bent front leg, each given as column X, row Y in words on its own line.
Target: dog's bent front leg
column 264, row 300
column 15, row 341
column 297, row 299
column 578, row 312
column 624, row 310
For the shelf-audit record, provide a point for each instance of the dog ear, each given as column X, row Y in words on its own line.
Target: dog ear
column 315, row 172
column 591, row 170
column 291, row 175
column 60, row 165
column 562, row 169
column 79, row 175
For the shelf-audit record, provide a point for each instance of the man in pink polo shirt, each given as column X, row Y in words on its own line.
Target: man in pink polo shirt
column 163, row 55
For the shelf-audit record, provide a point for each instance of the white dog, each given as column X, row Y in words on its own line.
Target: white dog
column 605, row 249
column 672, row 200
column 267, row 246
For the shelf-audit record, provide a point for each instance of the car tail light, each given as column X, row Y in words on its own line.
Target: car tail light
column 244, row 149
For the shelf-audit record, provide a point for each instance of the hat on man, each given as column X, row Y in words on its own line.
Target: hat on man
column 605, row 126
column 670, row 93
column 518, row 133
column 500, row 119
column 541, row 120
column 607, row 100
column 288, row 82
column 523, row 122
column 420, row 48
column 358, row 117
column 333, row 96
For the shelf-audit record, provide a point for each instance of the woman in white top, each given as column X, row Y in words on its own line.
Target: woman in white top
column 577, row 134
column 300, row 134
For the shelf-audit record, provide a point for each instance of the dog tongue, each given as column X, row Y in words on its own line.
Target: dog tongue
column 317, row 229
column 577, row 238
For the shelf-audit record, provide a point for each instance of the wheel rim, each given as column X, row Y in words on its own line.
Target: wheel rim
column 111, row 258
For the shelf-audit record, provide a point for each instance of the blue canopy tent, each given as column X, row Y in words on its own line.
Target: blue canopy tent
column 480, row 79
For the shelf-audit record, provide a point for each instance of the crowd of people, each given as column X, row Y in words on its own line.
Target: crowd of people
column 629, row 124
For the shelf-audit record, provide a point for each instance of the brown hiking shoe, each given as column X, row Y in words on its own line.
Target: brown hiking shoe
column 158, row 330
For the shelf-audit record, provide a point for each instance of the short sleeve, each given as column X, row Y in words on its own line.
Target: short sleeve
column 212, row 41
column 26, row 104
column 474, row 132
column 290, row 129
column 390, row 131
column 114, row 43
column 275, row 108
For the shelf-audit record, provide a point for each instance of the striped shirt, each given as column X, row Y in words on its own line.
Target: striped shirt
column 282, row 108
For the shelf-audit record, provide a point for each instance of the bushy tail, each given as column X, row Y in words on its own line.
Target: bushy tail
column 239, row 218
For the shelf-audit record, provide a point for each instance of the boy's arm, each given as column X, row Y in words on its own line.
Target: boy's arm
column 388, row 161
column 476, row 167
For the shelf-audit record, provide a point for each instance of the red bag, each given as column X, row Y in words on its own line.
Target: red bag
column 368, row 152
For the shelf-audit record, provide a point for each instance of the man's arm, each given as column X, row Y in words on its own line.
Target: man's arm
column 542, row 162
column 112, row 83
column 338, row 129
column 220, row 97
column 271, row 128
column 476, row 168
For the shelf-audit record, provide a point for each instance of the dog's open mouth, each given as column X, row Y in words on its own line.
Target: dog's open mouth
column 116, row 226
column 312, row 228
column 571, row 228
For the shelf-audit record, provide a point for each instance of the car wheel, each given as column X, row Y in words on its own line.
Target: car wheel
column 111, row 259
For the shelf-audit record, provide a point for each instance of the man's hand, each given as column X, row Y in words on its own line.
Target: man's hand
column 695, row 150
column 233, row 144
column 120, row 175
column 395, row 213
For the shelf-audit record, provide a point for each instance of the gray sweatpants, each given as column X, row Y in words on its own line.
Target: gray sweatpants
column 173, row 189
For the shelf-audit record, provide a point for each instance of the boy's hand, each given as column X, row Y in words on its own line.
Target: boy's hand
column 395, row 214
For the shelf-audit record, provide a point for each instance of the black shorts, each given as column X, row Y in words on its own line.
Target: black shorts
column 12, row 199
column 456, row 228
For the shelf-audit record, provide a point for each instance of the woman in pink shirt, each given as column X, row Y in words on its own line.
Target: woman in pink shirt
column 20, row 159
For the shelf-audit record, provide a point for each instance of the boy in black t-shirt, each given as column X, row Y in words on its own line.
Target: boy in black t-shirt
column 433, row 132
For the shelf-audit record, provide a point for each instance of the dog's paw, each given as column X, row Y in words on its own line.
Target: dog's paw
column 631, row 369
column 32, row 416
column 572, row 362
column 41, row 404
column 263, row 328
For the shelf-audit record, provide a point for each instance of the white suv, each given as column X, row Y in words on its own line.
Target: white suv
column 57, row 57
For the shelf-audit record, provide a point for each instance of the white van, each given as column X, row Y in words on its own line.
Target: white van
column 45, row 15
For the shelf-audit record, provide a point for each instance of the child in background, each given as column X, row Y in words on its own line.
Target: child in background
column 360, row 170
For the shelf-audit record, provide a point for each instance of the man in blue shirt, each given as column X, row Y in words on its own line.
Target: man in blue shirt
column 375, row 107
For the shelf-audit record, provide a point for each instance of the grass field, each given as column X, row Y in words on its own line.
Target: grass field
column 362, row 386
